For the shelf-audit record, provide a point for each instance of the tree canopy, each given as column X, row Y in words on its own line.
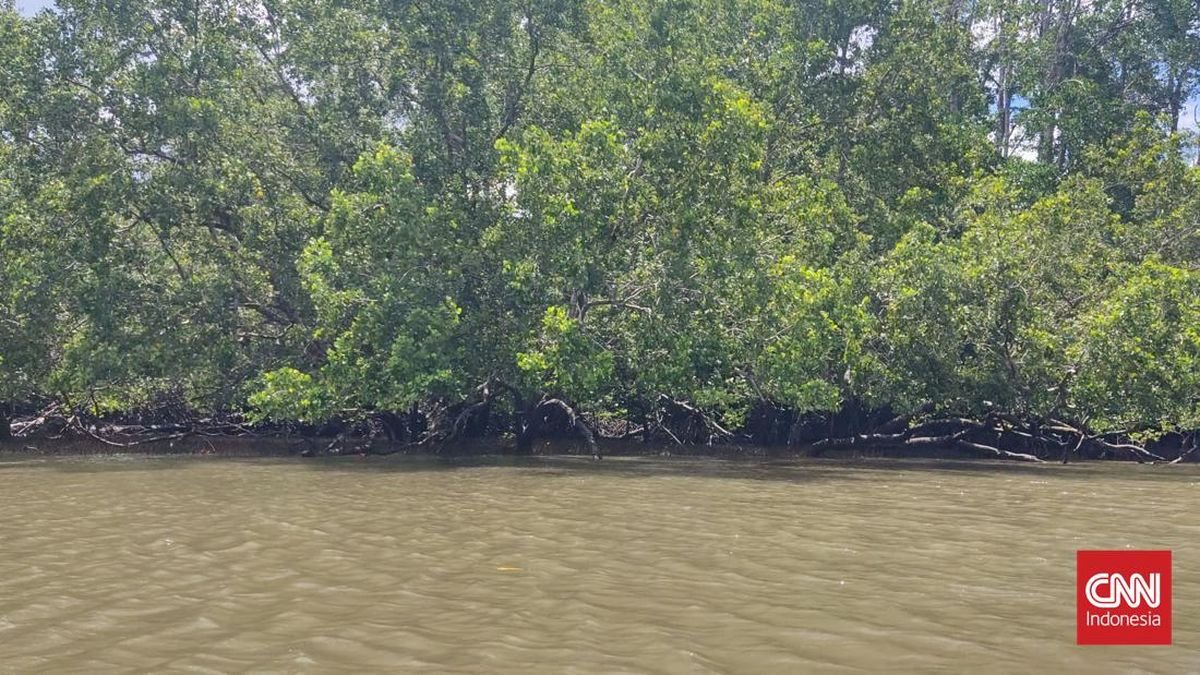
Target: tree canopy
column 697, row 219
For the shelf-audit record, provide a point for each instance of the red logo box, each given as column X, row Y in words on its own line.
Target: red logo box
column 1123, row 597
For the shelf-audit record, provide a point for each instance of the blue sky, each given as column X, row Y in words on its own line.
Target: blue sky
column 32, row 6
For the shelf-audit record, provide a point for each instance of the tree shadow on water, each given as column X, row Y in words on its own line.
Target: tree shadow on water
column 634, row 466
column 794, row 469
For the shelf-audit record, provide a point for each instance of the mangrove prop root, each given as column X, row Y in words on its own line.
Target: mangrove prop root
column 666, row 418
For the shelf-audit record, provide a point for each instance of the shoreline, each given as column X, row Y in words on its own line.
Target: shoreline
column 313, row 447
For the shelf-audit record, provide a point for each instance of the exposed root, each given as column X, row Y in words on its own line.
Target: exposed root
column 435, row 422
column 576, row 421
column 717, row 432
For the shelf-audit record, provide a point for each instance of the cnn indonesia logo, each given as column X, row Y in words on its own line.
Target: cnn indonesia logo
column 1123, row 597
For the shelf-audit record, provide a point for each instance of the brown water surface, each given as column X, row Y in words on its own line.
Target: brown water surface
column 563, row 565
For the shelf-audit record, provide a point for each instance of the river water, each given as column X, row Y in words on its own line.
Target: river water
column 564, row 565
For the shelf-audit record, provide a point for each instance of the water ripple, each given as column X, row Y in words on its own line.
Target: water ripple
column 568, row 566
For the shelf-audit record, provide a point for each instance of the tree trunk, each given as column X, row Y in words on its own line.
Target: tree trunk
column 393, row 425
column 416, row 423
column 1058, row 69
column 644, row 412
column 5, row 427
column 576, row 422
column 533, row 421
column 1176, row 102
column 529, row 424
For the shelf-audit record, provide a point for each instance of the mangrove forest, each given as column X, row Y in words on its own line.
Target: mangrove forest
column 971, row 225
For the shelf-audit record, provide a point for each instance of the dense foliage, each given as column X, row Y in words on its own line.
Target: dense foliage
column 697, row 219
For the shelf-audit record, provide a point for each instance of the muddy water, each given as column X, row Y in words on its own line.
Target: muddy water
column 565, row 565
